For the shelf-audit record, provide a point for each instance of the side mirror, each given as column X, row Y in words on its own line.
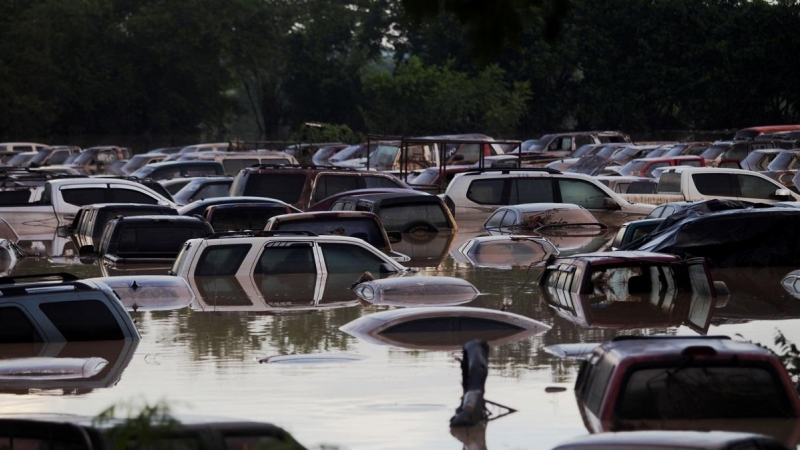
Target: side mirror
column 394, row 237
column 62, row 231
column 86, row 250
column 783, row 194
column 609, row 203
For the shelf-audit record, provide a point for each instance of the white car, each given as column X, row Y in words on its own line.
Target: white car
column 476, row 194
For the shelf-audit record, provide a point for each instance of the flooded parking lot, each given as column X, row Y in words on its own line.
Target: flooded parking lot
column 369, row 395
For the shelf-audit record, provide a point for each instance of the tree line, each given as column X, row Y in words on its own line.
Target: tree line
column 260, row 69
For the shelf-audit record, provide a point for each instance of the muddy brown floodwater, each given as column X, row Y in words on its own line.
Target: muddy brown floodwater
column 371, row 396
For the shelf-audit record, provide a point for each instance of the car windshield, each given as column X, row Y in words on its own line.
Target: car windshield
column 530, row 146
column 714, row 151
column 676, row 151
column 84, row 158
column 427, row 177
column 583, row 150
column 625, row 154
column 136, row 162
column 143, row 172
column 536, row 219
column 353, row 151
column 661, row 151
column 784, row 161
column 39, row 157
column 384, row 155
column 20, row 159
column 633, row 167
column 736, row 152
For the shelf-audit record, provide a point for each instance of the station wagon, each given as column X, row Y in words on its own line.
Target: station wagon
column 148, row 239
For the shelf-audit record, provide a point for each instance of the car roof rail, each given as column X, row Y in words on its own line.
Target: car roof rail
column 301, row 166
column 63, row 276
column 644, row 338
column 512, row 170
column 260, row 233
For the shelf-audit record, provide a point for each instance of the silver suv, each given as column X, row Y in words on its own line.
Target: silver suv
column 61, row 307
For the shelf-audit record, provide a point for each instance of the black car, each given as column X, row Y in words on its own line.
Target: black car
column 149, row 239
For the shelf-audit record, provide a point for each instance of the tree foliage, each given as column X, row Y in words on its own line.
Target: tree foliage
column 177, row 67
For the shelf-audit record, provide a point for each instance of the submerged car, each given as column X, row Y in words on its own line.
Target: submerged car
column 504, row 252
column 244, row 216
column 571, row 228
column 442, row 328
column 417, row 291
column 674, row 440
column 90, row 221
column 629, row 291
column 59, row 308
column 64, row 431
column 687, row 383
column 359, row 224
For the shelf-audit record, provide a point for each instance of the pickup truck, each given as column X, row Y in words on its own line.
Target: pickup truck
column 40, row 209
column 702, row 183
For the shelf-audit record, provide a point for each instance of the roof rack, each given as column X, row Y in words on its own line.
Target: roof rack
column 260, row 233
column 513, row 170
column 644, row 338
column 301, row 166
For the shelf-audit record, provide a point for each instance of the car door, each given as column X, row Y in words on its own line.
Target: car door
column 756, row 189
column 287, row 274
column 595, row 200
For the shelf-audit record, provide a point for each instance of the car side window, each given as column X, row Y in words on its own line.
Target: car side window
column 754, row 187
column 721, row 184
column 495, row 219
column 212, row 190
column 596, row 386
column 531, row 190
column 16, row 327
column 509, row 220
column 84, row 196
column 221, row 260
column 486, row 192
column 583, row 140
column 328, row 185
column 346, row 258
column 286, row 258
column 131, row 196
column 70, row 320
column 581, row 193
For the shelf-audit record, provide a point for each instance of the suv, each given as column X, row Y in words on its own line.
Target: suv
column 478, row 193
column 65, row 309
column 150, row 239
column 359, row 224
column 280, row 253
column 407, row 212
column 689, row 383
column 303, row 186
column 91, row 220
column 244, row 216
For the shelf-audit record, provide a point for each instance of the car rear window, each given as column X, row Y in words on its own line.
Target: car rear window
column 396, row 217
column 327, row 185
column 695, row 392
column 286, row 187
column 160, row 240
column 70, row 318
column 237, row 219
column 16, row 327
column 366, row 229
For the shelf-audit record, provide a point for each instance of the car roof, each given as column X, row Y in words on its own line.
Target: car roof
column 534, row 207
column 394, row 197
column 659, row 347
column 676, row 439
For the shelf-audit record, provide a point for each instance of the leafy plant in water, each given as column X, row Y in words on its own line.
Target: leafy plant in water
column 144, row 426
column 789, row 356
